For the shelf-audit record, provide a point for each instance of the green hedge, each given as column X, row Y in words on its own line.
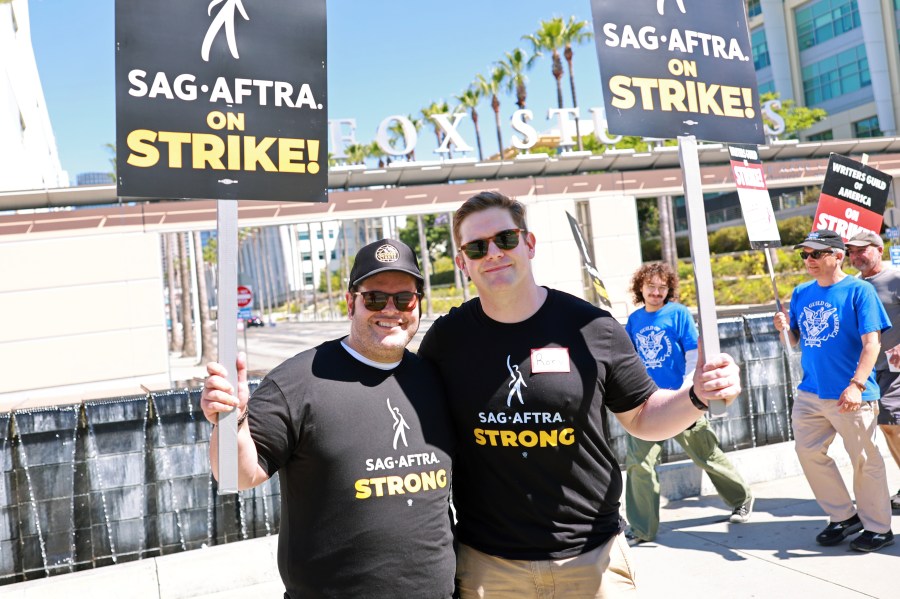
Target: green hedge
column 731, row 239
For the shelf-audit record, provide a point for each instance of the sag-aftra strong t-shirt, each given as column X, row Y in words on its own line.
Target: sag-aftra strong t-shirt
column 363, row 457
column 535, row 476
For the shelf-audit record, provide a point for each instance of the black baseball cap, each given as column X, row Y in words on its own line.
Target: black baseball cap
column 821, row 240
column 382, row 256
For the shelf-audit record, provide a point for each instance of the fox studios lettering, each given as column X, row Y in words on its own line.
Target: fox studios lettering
column 221, row 99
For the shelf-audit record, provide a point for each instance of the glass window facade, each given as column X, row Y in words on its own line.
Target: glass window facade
column 867, row 128
column 821, row 21
column 836, row 75
column 759, row 48
column 754, row 7
column 768, row 86
column 823, row 136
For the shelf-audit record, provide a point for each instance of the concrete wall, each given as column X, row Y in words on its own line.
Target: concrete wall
column 615, row 237
column 81, row 312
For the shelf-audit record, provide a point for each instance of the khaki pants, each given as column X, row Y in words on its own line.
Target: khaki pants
column 604, row 572
column 816, row 422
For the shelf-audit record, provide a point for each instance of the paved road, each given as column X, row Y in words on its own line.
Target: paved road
column 269, row 346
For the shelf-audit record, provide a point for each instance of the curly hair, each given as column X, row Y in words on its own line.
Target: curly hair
column 648, row 271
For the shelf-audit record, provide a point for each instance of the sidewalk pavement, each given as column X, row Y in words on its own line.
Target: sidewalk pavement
column 697, row 553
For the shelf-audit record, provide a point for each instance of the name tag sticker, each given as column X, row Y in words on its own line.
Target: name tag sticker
column 550, row 359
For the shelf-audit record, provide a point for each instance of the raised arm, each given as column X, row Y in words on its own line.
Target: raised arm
column 218, row 397
column 667, row 413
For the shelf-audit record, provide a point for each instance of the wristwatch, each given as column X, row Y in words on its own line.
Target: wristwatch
column 696, row 400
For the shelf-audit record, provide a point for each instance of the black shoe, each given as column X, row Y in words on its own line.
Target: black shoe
column 836, row 532
column 633, row 539
column 895, row 501
column 872, row 541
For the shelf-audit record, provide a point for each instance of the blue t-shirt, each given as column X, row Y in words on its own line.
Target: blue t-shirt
column 661, row 339
column 831, row 321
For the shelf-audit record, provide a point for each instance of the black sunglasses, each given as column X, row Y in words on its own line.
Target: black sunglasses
column 815, row 254
column 505, row 240
column 375, row 301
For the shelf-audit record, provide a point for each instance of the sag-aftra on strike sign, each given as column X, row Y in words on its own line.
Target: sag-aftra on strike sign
column 221, row 99
column 678, row 67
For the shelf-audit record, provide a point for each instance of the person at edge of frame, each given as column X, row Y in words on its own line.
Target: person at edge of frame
column 529, row 372
column 358, row 431
column 837, row 321
column 665, row 337
column 865, row 250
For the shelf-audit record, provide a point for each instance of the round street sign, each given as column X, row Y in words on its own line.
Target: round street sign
column 244, row 296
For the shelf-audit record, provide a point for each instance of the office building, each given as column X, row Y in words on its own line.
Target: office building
column 28, row 153
column 838, row 55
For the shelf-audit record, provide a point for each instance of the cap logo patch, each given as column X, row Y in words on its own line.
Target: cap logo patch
column 387, row 253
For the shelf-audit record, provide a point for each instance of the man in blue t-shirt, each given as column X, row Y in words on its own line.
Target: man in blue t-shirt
column 837, row 320
column 664, row 334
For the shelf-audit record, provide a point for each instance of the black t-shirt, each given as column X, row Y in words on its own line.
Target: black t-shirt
column 535, row 477
column 363, row 457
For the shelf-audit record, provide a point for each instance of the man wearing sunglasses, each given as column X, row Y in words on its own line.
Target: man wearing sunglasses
column 359, row 432
column 837, row 320
column 530, row 372
column 865, row 250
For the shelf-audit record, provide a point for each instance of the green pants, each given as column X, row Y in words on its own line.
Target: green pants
column 642, row 487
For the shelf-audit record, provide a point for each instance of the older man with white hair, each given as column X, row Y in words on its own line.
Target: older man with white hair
column 837, row 320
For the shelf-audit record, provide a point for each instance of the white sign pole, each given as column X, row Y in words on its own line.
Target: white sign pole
column 227, row 238
column 706, row 306
column 785, row 333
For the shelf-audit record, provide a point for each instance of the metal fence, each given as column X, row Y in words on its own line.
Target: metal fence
column 115, row 480
column 121, row 479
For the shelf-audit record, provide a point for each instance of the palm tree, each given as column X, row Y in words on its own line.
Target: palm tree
column 208, row 353
column 469, row 99
column 375, row 151
column 357, row 153
column 491, row 87
column 575, row 32
column 439, row 107
column 176, row 340
column 514, row 66
column 111, row 148
column 187, row 322
column 396, row 131
column 549, row 36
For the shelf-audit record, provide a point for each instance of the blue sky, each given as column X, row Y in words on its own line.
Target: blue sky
column 385, row 57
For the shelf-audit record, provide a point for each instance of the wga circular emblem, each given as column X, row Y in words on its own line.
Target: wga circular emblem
column 387, row 253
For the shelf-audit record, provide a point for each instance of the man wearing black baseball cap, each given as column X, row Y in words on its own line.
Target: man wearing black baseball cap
column 837, row 320
column 822, row 239
column 866, row 250
column 358, row 430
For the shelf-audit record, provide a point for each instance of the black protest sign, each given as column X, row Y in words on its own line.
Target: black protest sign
column 853, row 197
column 678, row 67
column 599, row 287
column 221, row 99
